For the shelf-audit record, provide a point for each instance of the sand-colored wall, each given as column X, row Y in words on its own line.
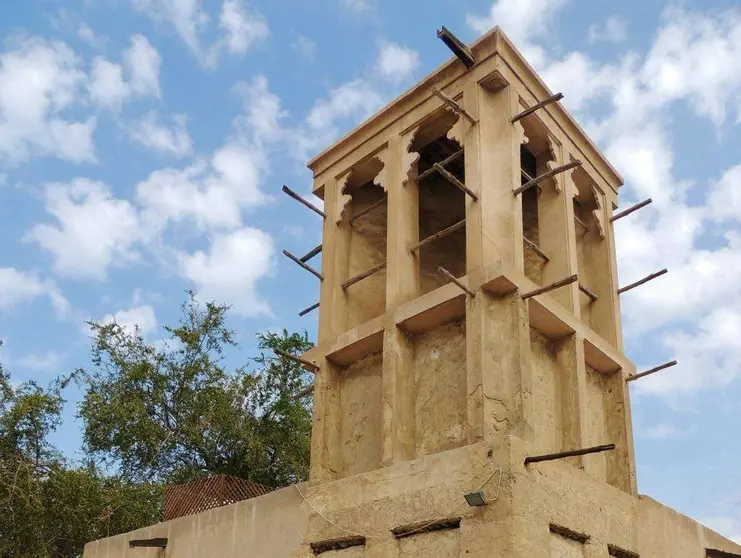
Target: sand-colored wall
column 269, row 526
column 361, row 422
column 546, row 394
column 440, row 403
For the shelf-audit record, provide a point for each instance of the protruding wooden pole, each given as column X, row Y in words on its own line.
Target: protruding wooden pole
column 307, row 364
column 368, row 209
column 301, row 200
column 309, row 390
column 545, row 176
column 535, row 248
column 458, row 47
column 311, row 254
column 454, row 106
column 363, row 275
column 454, row 181
column 309, row 309
column 456, row 281
column 445, row 162
column 540, row 105
column 437, row 235
column 552, row 286
column 630, row 210
column 588, row 292
column 302, row 264
column 642, row 281
column 652, row 371
column 570, row 453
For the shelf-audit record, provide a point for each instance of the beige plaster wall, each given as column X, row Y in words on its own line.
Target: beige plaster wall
column 271, row 526
column 441, row 544
column 361, row 410
column 367, row 298
column 440, row 402
column 546, row 394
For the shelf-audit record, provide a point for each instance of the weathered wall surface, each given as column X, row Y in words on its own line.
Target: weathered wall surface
column 271, row 526
column 361, row 423
column 546, row 394
column 439, row 368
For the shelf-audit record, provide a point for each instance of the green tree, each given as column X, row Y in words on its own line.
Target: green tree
column 174, row 411
column 47, row 507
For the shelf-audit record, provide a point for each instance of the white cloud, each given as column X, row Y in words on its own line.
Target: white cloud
column 240, row 28
column 173, row 140
column 523, row 21
column 614, row 30
column 662, row 431
column 43, row 363
column 39, row 80
column 106, row 86
column 231, row 268
column 215, row 193
column 85, row 32
column 143, row 63
column 396, row 62
column 304, row 46
column 349, row 102
column 356, row 5
column 21, row 287
column 142, row 317
column 95, row 230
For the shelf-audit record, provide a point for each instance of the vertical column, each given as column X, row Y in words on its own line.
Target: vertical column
column 402, row 285
column 610, row 202
column 621, row 467
column 573, row 396
column 569, row 190
column 554, row 221
column 324, row 442
column 497, row 334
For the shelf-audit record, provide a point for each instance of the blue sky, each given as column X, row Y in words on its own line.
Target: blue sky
column 143, row 144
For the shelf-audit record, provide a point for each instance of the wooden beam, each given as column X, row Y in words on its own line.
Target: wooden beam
column 443, row 233
column 582, row 223
column 642, row 281
column 311, row 254
column 454, row 181
column 456, row 281
column 307, row 364
column 368, row 209
column 535, row 248
column 551, row 287
column 160, row 542
column 458, row 47
column 302, row 264
column 570, row 453
column 453, row 105
column 651, row 371
column 302, row 201
column 545, row 176
column 309, row 309
column 445, row 162
column 309, row 390
column 363, row 275
column 538, row 106
column 588, row 292
column 630, row 210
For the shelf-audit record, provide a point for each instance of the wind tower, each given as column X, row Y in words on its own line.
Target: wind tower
column 471, row 394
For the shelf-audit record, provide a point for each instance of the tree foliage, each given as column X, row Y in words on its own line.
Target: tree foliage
column 174, row 411
column 47, row 507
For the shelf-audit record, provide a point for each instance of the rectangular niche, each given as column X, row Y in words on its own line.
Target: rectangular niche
column 543, row 210
column 361, row 423
column 441, row 204
column 547, row 385
column 595, row 421
column 366, row 299
column 440, row 402
column 565, row 547
column 593, row 256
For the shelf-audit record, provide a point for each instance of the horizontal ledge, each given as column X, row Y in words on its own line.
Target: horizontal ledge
column 359, row 342
column 432, row 309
